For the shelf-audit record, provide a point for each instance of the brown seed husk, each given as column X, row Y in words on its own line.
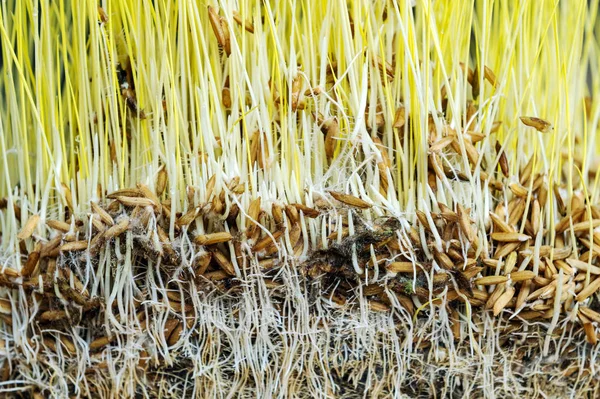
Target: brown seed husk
column 465, row 223
column 510, row 237
column 104, row 216
column 135, row 201
column 29, row 227
column 523, row 275
column 224, row 262
column 188, row 217
column 213, row 238
column 118, row 228
column 402, row 267
column 74, row 246
column 350, row 200
column 491, row 280
column 101, row 342
column 539, row 124
column 503, row 300
column 589, row 290
column 161, row 181
column 253, row 213
column 53, row 315
column 576, row 263
column 307, row 211
column 30, row 264
column 58, row 225
column 267, row 241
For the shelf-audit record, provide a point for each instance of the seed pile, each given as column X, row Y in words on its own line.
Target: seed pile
column 130, row 269
column 442, row 262
column 331, row 203
column 438, row 263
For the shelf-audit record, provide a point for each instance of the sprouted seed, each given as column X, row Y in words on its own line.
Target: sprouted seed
column 316, row 200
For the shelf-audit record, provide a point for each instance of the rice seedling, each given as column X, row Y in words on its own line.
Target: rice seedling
column 299, row 199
